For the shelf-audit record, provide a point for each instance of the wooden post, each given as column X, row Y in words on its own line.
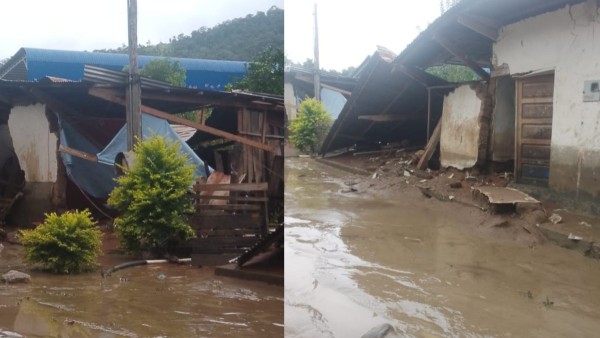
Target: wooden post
column 428, row 112
column 133, row 95
column 317, row 79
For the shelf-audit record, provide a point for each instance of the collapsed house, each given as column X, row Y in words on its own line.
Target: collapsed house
column 299, row 84
column 535, row 106
column 67, row 136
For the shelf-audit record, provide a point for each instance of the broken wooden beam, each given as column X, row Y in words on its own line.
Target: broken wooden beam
column 431, row 146
column 383, row 118
column 78, row 153
column 113, row 96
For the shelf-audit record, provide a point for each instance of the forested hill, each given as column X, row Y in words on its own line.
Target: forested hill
column 239, row 39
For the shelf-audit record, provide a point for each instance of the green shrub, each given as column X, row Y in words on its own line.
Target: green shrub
column 152, row 197
column 310, row 126
column 66, row 243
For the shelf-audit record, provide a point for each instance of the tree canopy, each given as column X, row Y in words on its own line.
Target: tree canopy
column 165, row 70
column 265, row 74
column 240, row 39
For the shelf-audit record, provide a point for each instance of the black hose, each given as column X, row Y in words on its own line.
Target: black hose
column 106, row 273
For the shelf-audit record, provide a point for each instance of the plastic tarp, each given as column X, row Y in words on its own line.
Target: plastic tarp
column 97, row 178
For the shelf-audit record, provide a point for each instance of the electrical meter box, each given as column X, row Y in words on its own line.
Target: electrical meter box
column 591, row 91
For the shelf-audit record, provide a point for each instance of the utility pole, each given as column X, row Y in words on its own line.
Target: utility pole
column 133, row 114
column 317, row 77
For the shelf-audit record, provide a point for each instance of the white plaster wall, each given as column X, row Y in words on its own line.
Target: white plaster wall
column 289, row 99
column 568, row 41
column 34, row 144
column 459, row 137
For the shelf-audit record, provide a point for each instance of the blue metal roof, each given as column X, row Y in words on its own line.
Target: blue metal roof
column 202, row 74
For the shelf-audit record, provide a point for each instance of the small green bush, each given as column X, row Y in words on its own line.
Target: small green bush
column 152, row 197
column 310, row 126
column 66, row 243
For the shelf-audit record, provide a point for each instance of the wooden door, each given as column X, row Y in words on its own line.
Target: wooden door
column 534, row 129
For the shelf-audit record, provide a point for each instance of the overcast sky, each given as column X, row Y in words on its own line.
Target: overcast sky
column 349, row 31
column 89, row 25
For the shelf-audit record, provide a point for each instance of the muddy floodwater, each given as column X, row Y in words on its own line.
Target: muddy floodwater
column 162, row 300
column 354, row 261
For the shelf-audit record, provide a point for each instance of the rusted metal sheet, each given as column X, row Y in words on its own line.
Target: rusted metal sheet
column 534, row 129
column 499, row 195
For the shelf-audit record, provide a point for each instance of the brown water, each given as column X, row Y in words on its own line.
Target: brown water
column 354, row 261
column 162, row 300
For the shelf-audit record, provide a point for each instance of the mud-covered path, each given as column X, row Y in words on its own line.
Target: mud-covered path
column 354, row 261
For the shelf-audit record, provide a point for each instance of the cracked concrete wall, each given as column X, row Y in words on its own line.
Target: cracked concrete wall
column 34, row 144
column 460, row 134
column 568, row 41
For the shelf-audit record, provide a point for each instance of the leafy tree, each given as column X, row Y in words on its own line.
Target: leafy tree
column 165, row 70
column 239, row 39
column 66, row 243
column 265, row 74
column 170, row 72
column 310, row 126
column 453, row 73
column 152, row 197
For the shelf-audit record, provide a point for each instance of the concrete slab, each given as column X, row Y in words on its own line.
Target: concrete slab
column 500, row 195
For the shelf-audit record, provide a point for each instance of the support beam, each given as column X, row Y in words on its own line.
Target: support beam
column 133, row 114
column 352, row 137
column 454, row 50
column 78, row 153
column 383, row 118
column 387, row 108
column 431, row 146
column 479, row 25
column 202, row 100
column 113, row 96
column 419, row 75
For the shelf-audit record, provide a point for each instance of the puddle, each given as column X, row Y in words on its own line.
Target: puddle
column 354, row 262
column 135, row 302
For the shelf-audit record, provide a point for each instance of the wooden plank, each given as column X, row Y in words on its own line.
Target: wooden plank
column 431, row 146
column 225, row 221
column 227, row 232
column 237, row 199
column 384, row 118
column 233, row 187
column 112, row 96
column 78, row 153
column 231, row 207
column 237, row 241
column 536, row 111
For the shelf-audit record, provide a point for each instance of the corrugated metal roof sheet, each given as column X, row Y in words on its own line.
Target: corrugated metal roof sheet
column 35, row 63
column 112, row 59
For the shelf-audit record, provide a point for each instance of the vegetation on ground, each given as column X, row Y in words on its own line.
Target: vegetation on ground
column 309, row 128
column 152, row 197
column 66, row 243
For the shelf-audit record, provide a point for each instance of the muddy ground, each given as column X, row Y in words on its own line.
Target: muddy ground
column 393, row 174
column 166, row 300
column 364, row 251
